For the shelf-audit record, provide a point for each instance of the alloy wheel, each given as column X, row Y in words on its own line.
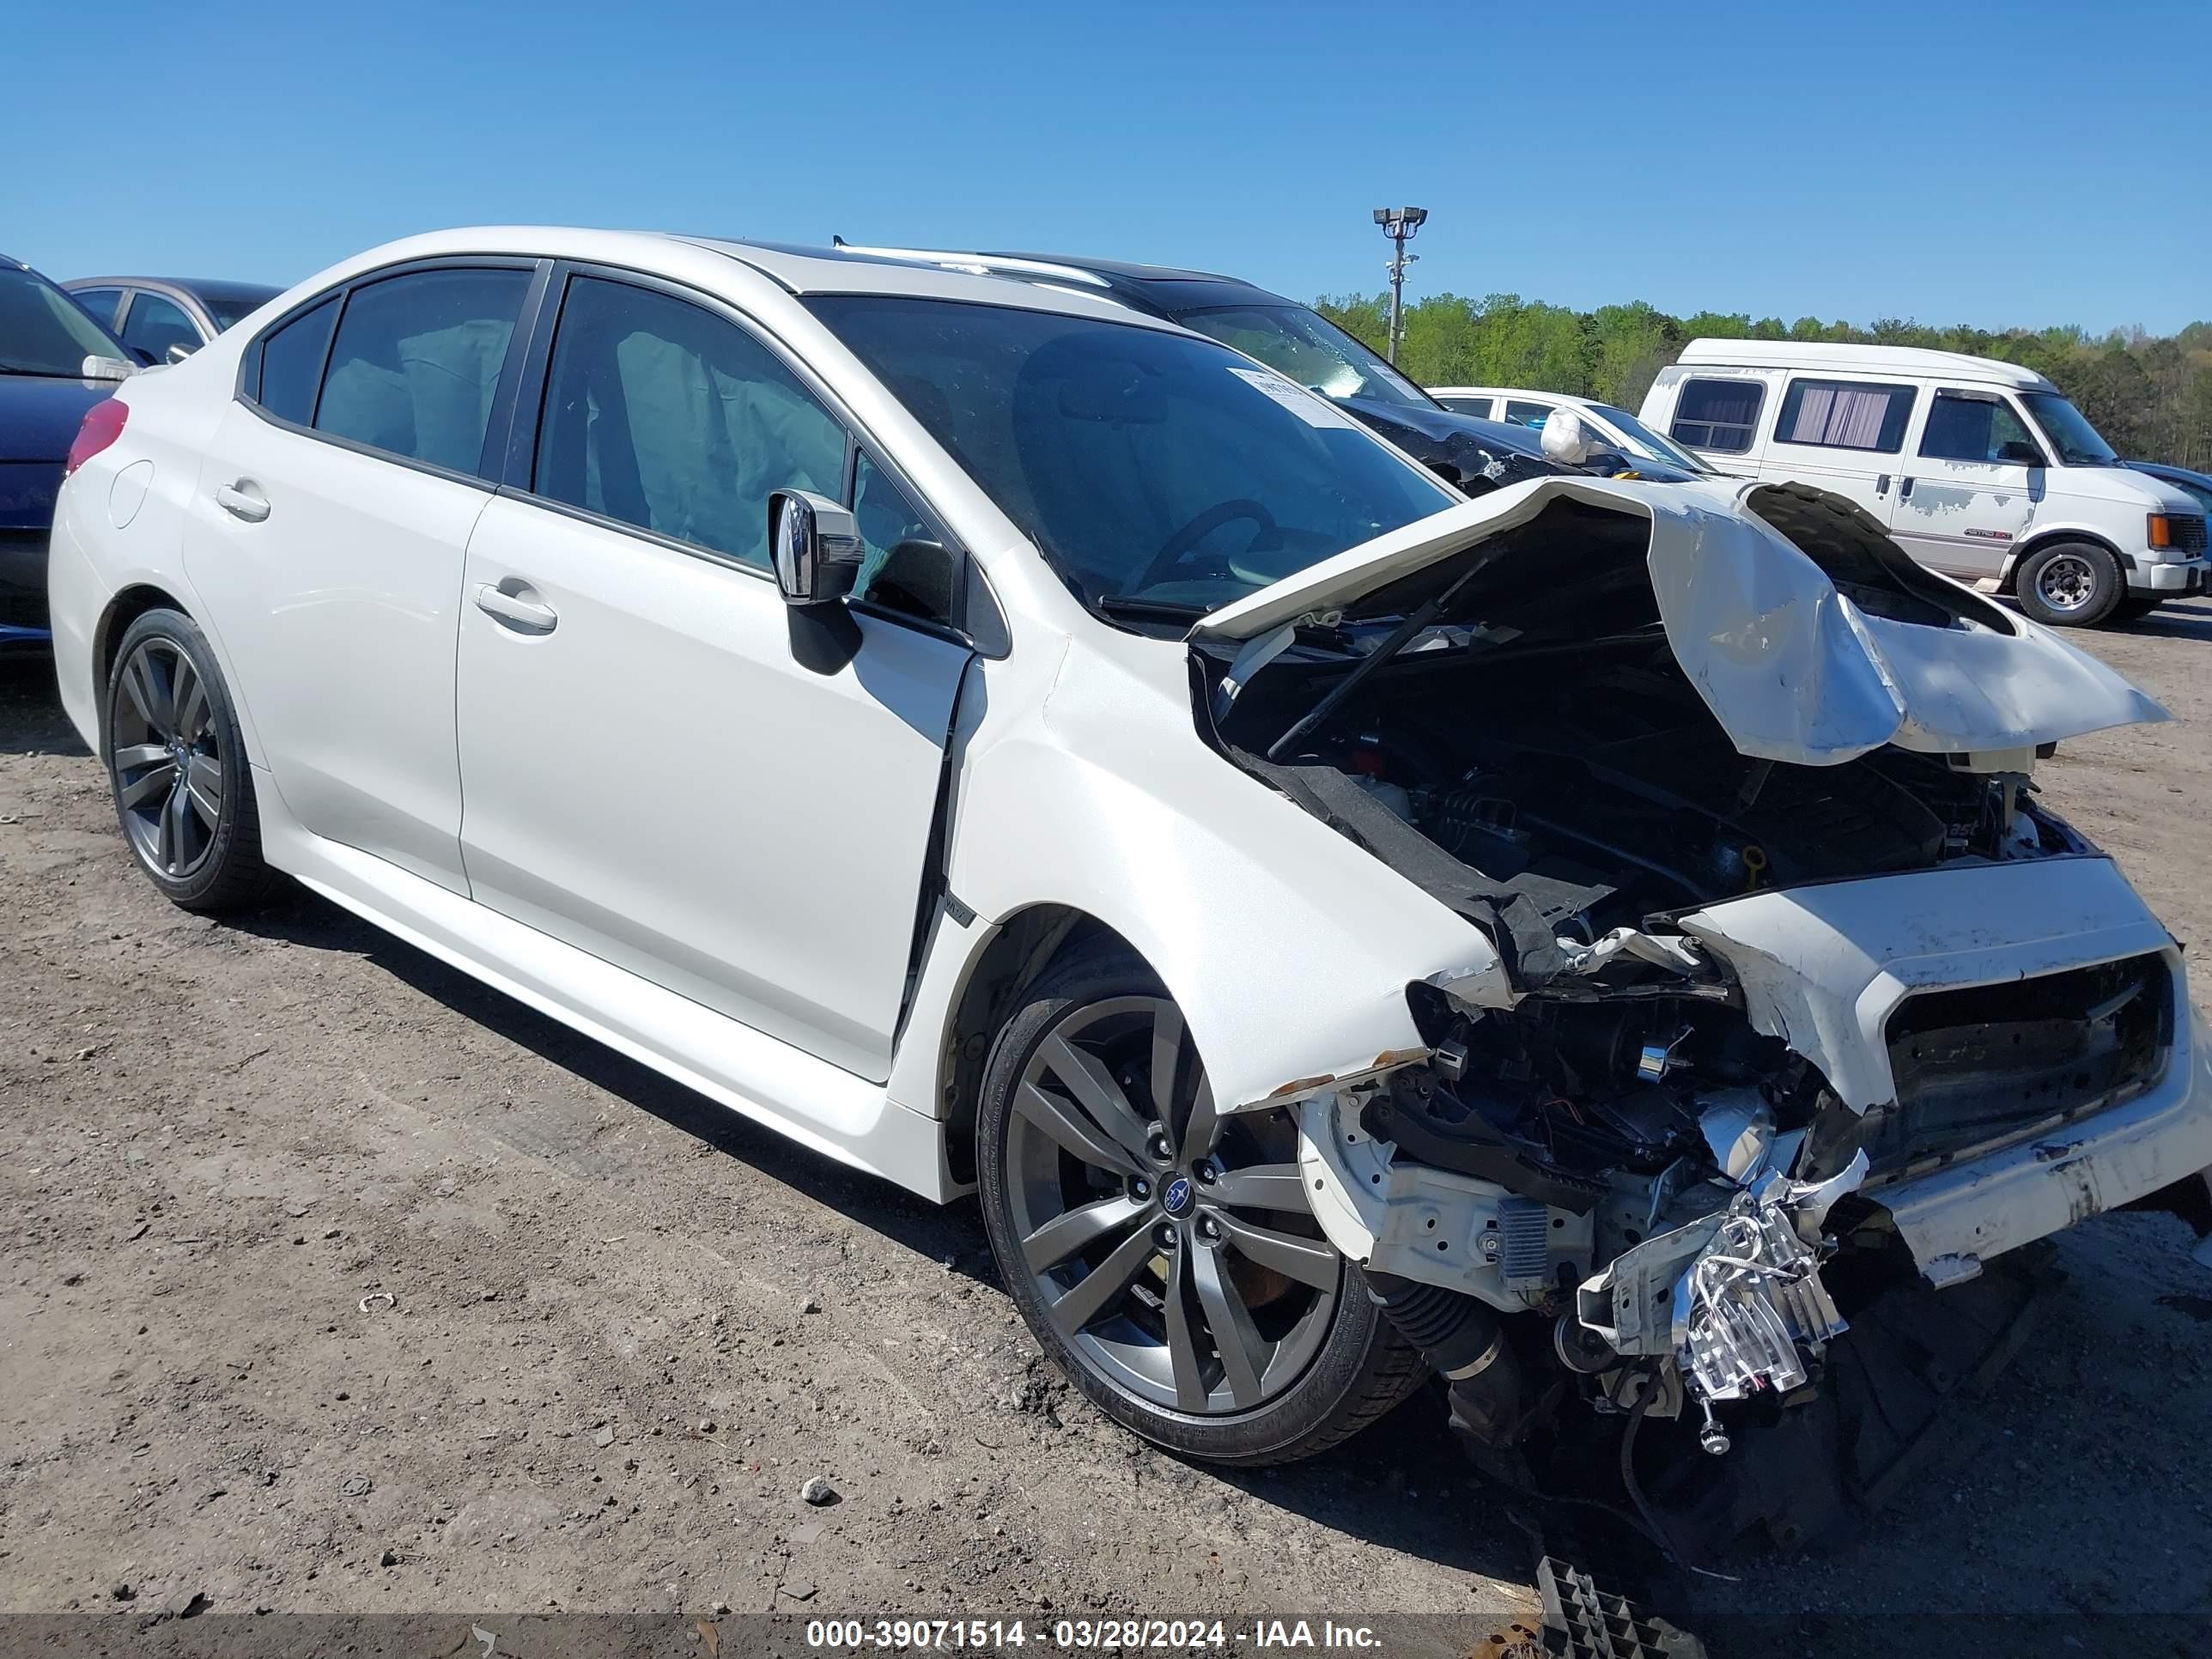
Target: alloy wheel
column 1174, row 1247
column 166, row 758
column 2066, row 582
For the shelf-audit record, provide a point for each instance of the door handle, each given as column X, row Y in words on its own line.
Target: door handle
column 1905, row 490
column 242, row 500
column 1881, row 484
column 514, row 610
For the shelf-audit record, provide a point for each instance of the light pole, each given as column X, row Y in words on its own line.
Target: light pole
column 1399, row 224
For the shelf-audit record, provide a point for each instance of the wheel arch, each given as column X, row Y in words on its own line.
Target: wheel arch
column 126, row 606
column 1022, row 946
column 133, row 600
column 2009, row 582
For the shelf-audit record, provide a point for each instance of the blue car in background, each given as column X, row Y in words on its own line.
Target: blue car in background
column 2194, row 484
column 47, row 343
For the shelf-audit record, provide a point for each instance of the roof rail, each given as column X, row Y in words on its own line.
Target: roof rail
column 981, row 265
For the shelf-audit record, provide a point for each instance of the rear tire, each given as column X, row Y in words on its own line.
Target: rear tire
column 2070, row 585
column 177, row 766
column 1198, row 1225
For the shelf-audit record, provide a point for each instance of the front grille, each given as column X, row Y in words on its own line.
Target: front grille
column 2188, row 534
column 1977, row 1069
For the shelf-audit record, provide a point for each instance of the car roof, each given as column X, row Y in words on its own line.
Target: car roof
column 204, row 294
column 1864, row 359
column 205, row 288
column 797, row 269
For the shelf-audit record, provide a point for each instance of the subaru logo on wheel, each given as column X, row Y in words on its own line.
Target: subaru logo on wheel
column 1176, row 1197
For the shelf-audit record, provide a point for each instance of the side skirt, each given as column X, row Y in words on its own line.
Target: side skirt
column 824, row 1108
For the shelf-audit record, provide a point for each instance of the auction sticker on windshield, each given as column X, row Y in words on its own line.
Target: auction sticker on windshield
column 1313, row 410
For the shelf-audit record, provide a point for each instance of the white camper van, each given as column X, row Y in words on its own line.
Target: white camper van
column 1980, row 468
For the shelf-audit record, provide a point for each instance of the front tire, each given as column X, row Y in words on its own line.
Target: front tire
column 176, row 763
column 1166, row 1257
column 2070, row 585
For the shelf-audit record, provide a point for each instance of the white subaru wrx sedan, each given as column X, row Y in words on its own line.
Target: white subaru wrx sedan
column 1601, row 942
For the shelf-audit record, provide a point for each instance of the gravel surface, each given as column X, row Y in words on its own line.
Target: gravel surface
column 334, row 1282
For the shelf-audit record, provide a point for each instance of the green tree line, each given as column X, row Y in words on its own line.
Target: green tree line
column 2149, row 394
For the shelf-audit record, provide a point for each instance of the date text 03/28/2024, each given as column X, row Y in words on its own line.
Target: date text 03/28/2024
column 1080, row 1635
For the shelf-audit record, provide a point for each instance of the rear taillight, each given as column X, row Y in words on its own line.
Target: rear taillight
column 103, row 425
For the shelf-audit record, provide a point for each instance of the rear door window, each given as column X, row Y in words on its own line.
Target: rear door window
column 1721, row 415
column 416, row 365
column 1846, row 414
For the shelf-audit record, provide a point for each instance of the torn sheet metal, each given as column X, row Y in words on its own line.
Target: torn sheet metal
column 1791, row 668
column 1795, row 672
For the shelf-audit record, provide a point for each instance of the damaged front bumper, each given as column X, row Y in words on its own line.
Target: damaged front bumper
column 1958, row 1218
column 1715, row 1284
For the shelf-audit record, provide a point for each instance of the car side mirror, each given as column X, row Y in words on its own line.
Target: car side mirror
column 179, row 352
column 106, row 369
column 2020, row 453
column 815, row 546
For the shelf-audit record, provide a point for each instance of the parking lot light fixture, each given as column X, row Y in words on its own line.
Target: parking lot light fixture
column 1399, row 224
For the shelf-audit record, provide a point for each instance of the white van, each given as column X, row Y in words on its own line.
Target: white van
column 1980, row 468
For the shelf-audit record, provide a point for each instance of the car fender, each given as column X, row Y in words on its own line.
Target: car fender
column 1287, row 947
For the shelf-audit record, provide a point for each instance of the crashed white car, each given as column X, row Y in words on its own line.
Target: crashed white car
column 1598, row 942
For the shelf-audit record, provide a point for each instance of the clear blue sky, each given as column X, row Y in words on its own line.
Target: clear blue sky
column 2032, row 163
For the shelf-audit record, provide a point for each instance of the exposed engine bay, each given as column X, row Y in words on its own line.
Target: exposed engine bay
column 1674, row 1213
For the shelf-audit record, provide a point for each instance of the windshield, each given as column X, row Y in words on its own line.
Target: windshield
column 1147, row 465
column 1640, row 439
column 44, row 332
column 2068, row 432
column 1310, row 349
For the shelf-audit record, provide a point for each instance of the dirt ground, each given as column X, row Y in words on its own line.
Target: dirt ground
column 624, row 1328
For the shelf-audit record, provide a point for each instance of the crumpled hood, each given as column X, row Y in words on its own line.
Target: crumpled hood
column 1792, row 668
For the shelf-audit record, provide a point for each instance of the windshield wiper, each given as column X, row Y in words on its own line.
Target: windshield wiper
column 37, row 372
column 1134, row 604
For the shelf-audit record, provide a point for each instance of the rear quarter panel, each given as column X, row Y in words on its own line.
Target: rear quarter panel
column 118, row 524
